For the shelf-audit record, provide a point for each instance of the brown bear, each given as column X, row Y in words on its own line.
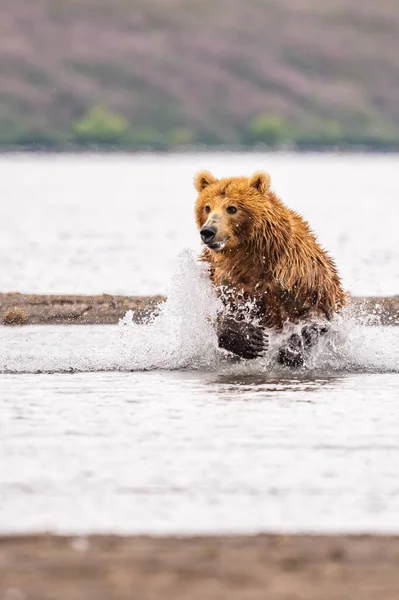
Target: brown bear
column 266, row 265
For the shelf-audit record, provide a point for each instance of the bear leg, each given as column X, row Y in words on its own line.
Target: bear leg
column 241, row 338
column 312, row 333
column 293, row 354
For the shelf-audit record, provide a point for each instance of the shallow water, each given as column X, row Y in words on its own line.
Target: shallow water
column 189, row 452
column 150, row 428
column 98, row 443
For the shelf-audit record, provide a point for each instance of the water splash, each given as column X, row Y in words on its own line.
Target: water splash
column 181, row 336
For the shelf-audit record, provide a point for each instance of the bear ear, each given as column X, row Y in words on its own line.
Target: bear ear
column 260, row 181
column 203, row 179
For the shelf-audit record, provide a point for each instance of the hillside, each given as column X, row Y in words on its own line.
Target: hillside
column 167, row 72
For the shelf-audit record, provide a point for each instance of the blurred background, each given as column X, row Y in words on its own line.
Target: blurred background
column 165, row 74
column 109, row 107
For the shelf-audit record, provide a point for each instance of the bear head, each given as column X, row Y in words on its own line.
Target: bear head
column 229, row 211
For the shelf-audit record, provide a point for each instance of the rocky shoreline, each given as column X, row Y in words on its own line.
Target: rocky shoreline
column 276, row 567
column 105, row 309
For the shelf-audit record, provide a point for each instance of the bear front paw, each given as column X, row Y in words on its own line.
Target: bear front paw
column 291, row 355
column 298, row 347
column 243, row 339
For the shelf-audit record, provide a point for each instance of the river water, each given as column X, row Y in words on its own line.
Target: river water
column 150, row 428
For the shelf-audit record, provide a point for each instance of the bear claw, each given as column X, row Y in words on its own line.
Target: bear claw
column 298, row 347
column 242, row 339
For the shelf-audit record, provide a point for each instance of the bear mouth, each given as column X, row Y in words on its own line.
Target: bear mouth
column 217, row 246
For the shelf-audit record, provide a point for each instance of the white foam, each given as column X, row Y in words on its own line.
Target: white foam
column 181, row 336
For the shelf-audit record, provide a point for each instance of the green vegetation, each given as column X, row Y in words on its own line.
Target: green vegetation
column 270, row 130
column 150, row 74
column 100, row 126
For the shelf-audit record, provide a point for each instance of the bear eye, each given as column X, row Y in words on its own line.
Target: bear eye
column 231, row 210
column 207, row 208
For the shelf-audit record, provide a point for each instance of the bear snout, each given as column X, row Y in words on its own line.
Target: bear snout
column 207, row 234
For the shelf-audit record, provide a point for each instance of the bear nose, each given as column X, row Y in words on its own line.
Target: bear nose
column 207, row 234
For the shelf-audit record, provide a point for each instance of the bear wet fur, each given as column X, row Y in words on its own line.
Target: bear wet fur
column 264, row 255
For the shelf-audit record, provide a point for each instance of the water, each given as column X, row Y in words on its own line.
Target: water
column 194, row 452
column 150, row 428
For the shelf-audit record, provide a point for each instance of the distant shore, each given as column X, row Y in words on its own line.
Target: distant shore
column 105, row 309
column 110, row 149
column 276, row 567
